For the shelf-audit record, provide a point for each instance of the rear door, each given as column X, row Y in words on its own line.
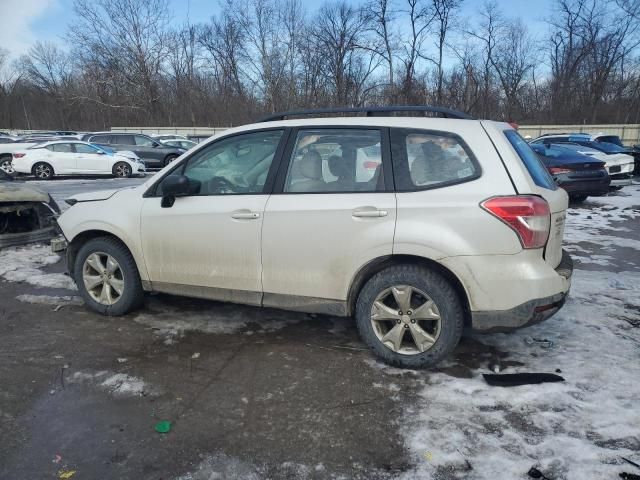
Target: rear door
column 532, row 179
column 62, row 157
column 326, row 217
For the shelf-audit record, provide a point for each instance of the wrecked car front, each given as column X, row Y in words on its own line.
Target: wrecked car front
column 27, row 214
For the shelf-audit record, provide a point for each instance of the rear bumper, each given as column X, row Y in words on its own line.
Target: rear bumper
column 586, row 187
column 528, row 313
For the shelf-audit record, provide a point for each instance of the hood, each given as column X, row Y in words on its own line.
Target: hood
column 12, row 192
column 95, row 196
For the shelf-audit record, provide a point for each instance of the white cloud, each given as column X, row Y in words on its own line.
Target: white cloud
column 16, row 33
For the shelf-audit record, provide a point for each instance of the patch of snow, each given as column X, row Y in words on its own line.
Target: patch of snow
column 591, row 224
column 220, row 467
column 171, row 323
column 117, row 384
column 575, row 429
column 22, row 264
column 50, row 299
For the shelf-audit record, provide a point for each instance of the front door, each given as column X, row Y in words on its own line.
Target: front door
column 89, row 160
column 210, row 240
column 334, row 213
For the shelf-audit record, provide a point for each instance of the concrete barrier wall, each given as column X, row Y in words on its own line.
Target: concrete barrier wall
column 630, row 133
column 208, row 131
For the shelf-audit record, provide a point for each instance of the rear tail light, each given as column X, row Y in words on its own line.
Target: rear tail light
column 527, row 215
column 558, row 170
column 18, row 155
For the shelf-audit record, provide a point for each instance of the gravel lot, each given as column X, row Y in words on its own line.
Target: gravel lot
column 259, row 394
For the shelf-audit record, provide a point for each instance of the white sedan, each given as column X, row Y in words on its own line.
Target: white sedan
column 68, row 157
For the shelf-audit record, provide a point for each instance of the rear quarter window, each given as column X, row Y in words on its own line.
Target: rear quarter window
column 426, row 159
column 531, row 161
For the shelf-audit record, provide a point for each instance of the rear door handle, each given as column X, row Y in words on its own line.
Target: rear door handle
column 245, row 215
column 368, row 212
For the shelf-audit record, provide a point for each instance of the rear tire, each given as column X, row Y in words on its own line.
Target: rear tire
column 43, row 171
column 107, row 277
column 169, row 159
column 122, row 170
column 423, row 340
column 5, row 164
column 578, row 198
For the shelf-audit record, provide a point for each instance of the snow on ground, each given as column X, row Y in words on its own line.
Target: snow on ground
column 171, row 322
column 117, row 384
column 575, row 429
column 22, row 264
column 585, row 225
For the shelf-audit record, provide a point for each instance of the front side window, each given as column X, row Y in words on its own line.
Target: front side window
column 236, row 165
column 143, row 141
column 427, row 159
column 335, row 160
column 82, row 148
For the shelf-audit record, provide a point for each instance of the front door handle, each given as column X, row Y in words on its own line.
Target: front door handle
column 245, row 215
column 369, row 212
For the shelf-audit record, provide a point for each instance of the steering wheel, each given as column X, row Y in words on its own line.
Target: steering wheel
column 220, row 185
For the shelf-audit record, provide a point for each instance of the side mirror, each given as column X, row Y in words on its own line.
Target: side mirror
column 101, row 152
column 156, row 145
column 174, row 186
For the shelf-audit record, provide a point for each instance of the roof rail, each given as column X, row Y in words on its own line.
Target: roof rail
column 371, row 111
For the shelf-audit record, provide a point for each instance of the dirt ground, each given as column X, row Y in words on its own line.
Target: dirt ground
column 259, row 394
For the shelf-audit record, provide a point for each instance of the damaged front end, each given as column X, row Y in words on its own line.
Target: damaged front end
column 27, row 215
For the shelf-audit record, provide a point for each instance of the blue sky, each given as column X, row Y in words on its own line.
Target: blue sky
column 25, row 21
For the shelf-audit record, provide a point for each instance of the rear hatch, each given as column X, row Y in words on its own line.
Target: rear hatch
column 533, row 179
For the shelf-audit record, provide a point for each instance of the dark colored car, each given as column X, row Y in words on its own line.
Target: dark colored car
column 153, row 153
column 580, row 175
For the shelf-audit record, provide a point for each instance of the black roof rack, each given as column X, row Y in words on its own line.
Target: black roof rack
column 371, row 111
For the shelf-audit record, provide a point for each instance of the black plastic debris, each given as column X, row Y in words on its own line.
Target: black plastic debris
column 535, row 473
column 629, row 476
column 630, row 462
column 517, row 379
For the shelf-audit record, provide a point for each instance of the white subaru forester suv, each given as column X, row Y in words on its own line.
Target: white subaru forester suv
column 418, row 226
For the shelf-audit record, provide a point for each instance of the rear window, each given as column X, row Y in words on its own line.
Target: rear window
column 531, row 161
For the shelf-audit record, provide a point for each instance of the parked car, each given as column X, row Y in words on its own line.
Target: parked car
column 26, row 213
column 580, row 175
column 619, row 163
column 460, row 225
column 8, row 139
column 198, row 138
column 162, row 138
column 153, row 153
column 62, row 157
column 185, row 144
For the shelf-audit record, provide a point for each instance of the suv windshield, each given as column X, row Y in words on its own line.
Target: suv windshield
column 531, row 161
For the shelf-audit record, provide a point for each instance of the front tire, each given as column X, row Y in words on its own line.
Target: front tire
column 43, row 171
column 409, row 316
column 107, row 277
column 169, row 159
column 122, row 170
column 578, row 198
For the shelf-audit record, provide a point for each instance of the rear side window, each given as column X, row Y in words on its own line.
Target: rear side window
column 123, row 140
column 427, row 159
column 531, row 161
column 104, row 139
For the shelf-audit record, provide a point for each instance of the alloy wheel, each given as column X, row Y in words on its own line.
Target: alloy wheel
column 6, row 166
column 405, row 320
column 43, row 171
column 123, row 170
column 103, row 278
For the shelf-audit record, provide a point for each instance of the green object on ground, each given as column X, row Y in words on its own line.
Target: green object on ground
column 163, row 427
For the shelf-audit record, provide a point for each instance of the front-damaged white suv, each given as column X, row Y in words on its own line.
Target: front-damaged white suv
column 418, row 227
